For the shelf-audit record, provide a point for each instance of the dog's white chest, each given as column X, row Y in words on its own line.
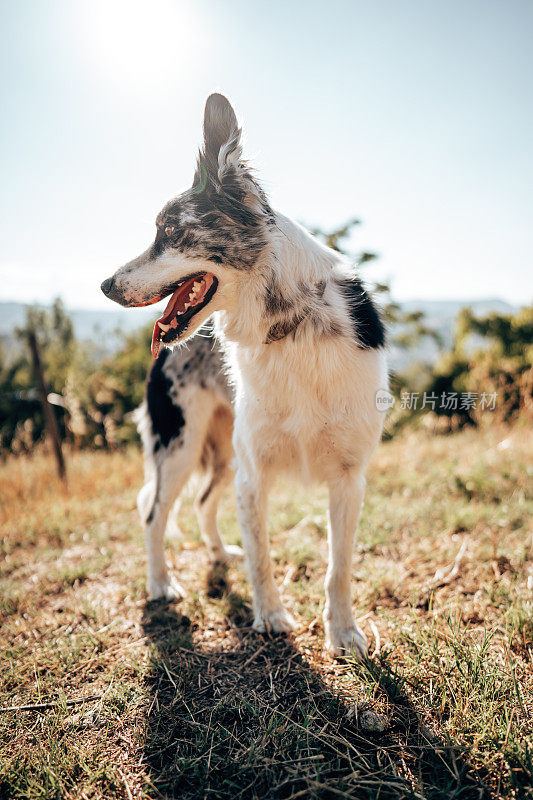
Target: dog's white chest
column 300, row 412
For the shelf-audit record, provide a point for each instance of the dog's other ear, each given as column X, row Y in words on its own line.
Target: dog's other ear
column 222, row 136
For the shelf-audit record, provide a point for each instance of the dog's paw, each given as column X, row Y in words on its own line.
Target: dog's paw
column 167, row 589
column 231, row 552
column 276, row 621
column 346, row 640
column 228, row 553
column 173, row 530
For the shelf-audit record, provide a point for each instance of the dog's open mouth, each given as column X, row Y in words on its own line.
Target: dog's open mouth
column 189, row 297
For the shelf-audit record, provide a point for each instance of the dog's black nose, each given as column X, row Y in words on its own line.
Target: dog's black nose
column 107, row 285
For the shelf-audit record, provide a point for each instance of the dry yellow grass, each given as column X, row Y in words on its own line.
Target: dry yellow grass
column 189, row 702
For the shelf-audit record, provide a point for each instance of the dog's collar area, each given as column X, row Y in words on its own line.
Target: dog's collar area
column 280, row 330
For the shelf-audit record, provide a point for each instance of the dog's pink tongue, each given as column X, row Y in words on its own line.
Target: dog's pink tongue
column 168, row 315
column 176, row 305
column 156, row 344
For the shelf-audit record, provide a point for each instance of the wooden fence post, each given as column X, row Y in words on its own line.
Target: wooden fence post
column 49, row 415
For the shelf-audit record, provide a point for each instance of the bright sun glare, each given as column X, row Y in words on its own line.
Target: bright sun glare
column 139, row 44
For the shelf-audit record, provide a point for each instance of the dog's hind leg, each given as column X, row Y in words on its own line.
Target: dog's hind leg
column 345, row 498
column 217, row 457
column 173, row 530
column 170, row 468
column 173, row 472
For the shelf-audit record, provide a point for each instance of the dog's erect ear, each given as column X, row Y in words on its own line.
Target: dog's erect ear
column 222, row 135
column 221, row 173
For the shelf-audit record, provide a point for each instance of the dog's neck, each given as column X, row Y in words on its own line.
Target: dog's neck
column 297, row 253
column 287, row 291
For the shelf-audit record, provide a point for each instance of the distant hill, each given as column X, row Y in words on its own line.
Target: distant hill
column 98, row 327
column 87, row 323
column 101, row 327
column 449, row 308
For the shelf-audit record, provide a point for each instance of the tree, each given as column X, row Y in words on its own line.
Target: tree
column 491, row 356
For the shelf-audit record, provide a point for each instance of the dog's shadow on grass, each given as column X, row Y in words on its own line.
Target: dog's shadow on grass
column 250, row 718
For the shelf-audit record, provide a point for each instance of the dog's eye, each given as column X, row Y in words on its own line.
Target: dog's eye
column 169, row 230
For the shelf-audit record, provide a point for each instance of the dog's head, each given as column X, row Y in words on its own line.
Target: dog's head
column 205, row 239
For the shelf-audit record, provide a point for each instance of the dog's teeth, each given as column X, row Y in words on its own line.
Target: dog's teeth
column 192, row 296
column 196, row 286
column 163, row 326
column 187, row 305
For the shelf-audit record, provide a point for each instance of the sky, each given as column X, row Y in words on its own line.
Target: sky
column 414, row 116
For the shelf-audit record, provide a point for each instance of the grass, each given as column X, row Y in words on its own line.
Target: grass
column 187, row 701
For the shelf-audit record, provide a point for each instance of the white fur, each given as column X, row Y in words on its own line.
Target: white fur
column 306, row 407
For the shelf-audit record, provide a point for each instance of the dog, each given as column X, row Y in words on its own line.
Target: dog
column 282, row 381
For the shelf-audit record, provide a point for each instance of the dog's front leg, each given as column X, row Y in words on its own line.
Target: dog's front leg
column 346, row 498
column 251, row 494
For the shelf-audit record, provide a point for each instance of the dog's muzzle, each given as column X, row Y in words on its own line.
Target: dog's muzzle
column 110, row 290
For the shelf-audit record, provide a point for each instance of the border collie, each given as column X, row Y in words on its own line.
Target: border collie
column 283, row 381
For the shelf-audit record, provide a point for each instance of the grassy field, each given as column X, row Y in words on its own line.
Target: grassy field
column 185, row 700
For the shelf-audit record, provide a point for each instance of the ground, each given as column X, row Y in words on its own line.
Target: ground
column 185, row 700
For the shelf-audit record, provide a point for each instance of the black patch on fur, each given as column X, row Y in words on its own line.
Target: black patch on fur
column 275, row 302
column 210, row 450
column 207, row 492
column 320, row 288
column 369, row 328
column 282, row 329
column 167, row 418
column 160, row 242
